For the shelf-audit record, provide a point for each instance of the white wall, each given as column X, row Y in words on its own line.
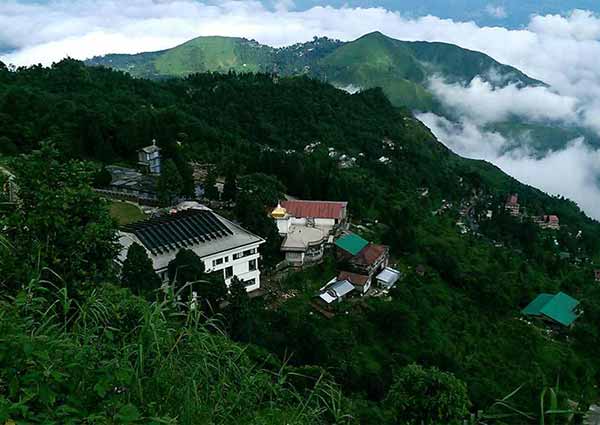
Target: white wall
column 240, row 266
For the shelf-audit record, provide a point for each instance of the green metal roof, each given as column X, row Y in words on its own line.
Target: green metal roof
column 534, row 307
column 351, row 243
column 559, row 307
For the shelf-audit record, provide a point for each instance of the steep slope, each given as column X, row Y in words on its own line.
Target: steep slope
column 403, row 69
column 378, row 61
column 202, row 54
column 472, row 290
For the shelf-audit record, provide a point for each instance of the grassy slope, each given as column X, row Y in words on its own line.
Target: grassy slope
column 378, row 61
column 213, row 54
column 125, row 212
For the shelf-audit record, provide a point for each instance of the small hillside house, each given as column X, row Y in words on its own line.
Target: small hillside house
column 327, row 216
column 559, row 309
column 551, row 222
column 149, row 158
column 358, row 257
column 388, row 277
column 335, row 291
column 221, row 244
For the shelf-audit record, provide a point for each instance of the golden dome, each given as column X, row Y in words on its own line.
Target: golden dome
column 279, row 212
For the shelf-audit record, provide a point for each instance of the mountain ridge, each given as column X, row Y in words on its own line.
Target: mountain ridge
column 403, row 69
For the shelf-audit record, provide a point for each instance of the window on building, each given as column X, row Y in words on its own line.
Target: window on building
column 227, row 259
column 249, row 252
column 252, row 265
column 217, row 262
column 249, row 282
column 237, row 255
column 228, row 272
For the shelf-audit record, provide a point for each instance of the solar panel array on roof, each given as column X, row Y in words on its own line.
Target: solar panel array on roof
column 180, row 230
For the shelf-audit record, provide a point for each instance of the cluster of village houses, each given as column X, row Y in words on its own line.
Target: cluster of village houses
column 512, row 205
column 309, row 229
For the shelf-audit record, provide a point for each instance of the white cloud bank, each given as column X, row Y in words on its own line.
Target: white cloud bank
column 572, row 172
column 560, row 50
column 480, row 101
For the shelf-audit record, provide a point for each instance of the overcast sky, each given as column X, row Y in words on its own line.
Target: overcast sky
column 559, row 45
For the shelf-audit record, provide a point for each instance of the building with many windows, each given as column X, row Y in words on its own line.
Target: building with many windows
column 221, row 244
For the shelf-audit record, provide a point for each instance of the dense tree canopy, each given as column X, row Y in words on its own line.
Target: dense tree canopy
column 137, row 272
column 61, row 223
column 269, row 137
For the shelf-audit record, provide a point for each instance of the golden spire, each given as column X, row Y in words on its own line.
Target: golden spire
column 279, row 212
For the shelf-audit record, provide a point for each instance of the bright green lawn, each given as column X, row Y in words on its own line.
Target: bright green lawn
column 125, row 213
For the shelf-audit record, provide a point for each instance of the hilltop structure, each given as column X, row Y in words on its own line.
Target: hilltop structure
column 221, row 244
column 149, row 158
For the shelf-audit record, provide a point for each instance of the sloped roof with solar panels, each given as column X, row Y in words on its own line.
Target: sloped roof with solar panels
column 199, row 229
column 179, row 230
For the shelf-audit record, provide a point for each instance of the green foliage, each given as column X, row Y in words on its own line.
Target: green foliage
column 123, row 360
column 253, row 216
column 427, row 396
column 210, row 185
column 471, row 295
column 239, row 310
column 230, row 186
column 268, row 189
column 61, row 223
column 102, row 178
column 187, row 274
column 185, row 267
column 170, row 183
column 137, row 272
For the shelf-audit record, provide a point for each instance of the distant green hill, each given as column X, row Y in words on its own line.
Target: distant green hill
column 401, row 68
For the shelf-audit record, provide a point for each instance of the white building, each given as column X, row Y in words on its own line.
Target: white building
column 150, row 157
column 221, row 244
column 303, row 245
column 323, row 215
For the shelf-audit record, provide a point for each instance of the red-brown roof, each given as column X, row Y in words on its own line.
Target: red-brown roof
column 513, row 200
column 370, row 254
column 354, row 278
column 315, row 209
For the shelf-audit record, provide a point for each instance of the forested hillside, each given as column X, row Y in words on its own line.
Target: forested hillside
column 447, row 341
column 403, row 69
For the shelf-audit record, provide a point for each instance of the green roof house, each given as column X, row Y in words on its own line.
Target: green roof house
column 351, row 243
column 559, row 308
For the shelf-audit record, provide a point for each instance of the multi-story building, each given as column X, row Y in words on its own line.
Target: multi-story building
column 149, row 158
column 512, row 205
column 222, row 245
